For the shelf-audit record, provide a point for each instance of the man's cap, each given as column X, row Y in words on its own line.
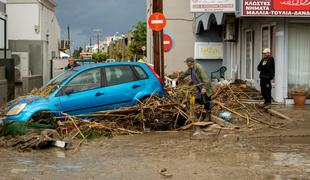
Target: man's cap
column 266, row 50
column 190, row 60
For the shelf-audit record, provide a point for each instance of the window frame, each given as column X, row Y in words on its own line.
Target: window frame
column 137, row 74
column 105, row 75
column 61, row 92
column 252, row 33
column 271, row 37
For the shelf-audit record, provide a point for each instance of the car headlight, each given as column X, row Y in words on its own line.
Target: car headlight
column 16, row 109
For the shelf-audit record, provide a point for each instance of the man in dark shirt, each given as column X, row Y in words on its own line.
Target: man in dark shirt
column 71, row 63
column 267, row 71
column 200, row 79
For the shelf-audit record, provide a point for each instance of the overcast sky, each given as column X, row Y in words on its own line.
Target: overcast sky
column 110, row 16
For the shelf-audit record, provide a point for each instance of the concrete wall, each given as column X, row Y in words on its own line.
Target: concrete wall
column 7, row 71
column 31, row 82
column 3, row 86
column 35, row 49
column 59, row 66
column 3, row 92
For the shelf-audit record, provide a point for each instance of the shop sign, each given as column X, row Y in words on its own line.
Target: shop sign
column 283, row 8
column 213, row 5
column 208, row 50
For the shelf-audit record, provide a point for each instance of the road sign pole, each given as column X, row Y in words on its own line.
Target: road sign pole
column 158, row 55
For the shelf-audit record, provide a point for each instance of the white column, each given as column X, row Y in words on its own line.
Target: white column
column 280, row 64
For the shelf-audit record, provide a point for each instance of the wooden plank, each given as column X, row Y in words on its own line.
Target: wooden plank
column 202, row 123
column 278, row 114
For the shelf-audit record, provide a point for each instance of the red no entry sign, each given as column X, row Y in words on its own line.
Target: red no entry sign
column 167, row 42
column 157, row 21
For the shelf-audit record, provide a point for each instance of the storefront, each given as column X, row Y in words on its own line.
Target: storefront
column 279, row 25
column 283, row 26
column 210, row 42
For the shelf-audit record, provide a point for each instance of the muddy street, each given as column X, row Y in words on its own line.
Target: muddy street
column 210, row 154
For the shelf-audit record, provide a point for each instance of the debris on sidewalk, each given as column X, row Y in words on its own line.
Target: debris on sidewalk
column 47, row 138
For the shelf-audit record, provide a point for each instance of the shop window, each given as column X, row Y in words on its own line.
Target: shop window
column 268, row 37
column 298, row 56
column 249, row 54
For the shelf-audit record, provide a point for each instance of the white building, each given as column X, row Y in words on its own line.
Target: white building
column 33, row 28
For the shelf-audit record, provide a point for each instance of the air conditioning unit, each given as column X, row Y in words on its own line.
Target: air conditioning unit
column 22, row 65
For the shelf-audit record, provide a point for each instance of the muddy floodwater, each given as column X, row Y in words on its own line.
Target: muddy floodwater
column 262, row 154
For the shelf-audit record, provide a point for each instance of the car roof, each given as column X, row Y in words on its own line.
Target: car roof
column 78, row 68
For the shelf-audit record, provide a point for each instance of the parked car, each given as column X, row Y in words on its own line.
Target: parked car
column 85, row 62
column 86, row 89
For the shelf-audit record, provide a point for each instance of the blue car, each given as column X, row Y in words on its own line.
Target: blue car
column 87, row 89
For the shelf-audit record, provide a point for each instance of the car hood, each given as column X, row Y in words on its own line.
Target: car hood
column 26, row 99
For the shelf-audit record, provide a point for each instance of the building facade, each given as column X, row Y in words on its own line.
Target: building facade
column 33, row 28
column 180, row 27
column 3, row 17
column 243, row 33
column 3, row 50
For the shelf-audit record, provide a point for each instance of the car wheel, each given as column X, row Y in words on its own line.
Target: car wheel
column 44, row 117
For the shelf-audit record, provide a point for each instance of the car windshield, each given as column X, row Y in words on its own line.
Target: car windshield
column 51, row 86
column 60, row 78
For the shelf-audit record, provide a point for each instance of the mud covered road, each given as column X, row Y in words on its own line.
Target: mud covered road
column 214, row 154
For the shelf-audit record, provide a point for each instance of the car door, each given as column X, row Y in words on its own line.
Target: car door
column 86, row 93
column 122, row 86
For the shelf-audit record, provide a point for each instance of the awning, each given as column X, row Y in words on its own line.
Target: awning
column 205, row 20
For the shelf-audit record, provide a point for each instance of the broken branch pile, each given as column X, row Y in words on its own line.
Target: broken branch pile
column 171, row 112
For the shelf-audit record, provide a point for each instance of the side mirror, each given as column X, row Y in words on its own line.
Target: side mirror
column 68, row 90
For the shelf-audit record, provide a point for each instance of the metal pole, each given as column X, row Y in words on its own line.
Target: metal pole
column 69, row 43
column 157, row 41
column 90, row 44
column 5, row 38
column 51, row 73
column 98, row 41
column 159, row 55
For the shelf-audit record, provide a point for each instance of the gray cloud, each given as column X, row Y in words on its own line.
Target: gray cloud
column 110, row 16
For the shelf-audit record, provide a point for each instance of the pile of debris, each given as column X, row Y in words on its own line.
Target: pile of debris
column 178, row 111
column 235, row 106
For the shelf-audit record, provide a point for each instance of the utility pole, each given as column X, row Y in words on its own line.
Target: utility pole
column 98, row 41
column 89, row 43
column 97, row 31
column 158, row 42
column 69, row 43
